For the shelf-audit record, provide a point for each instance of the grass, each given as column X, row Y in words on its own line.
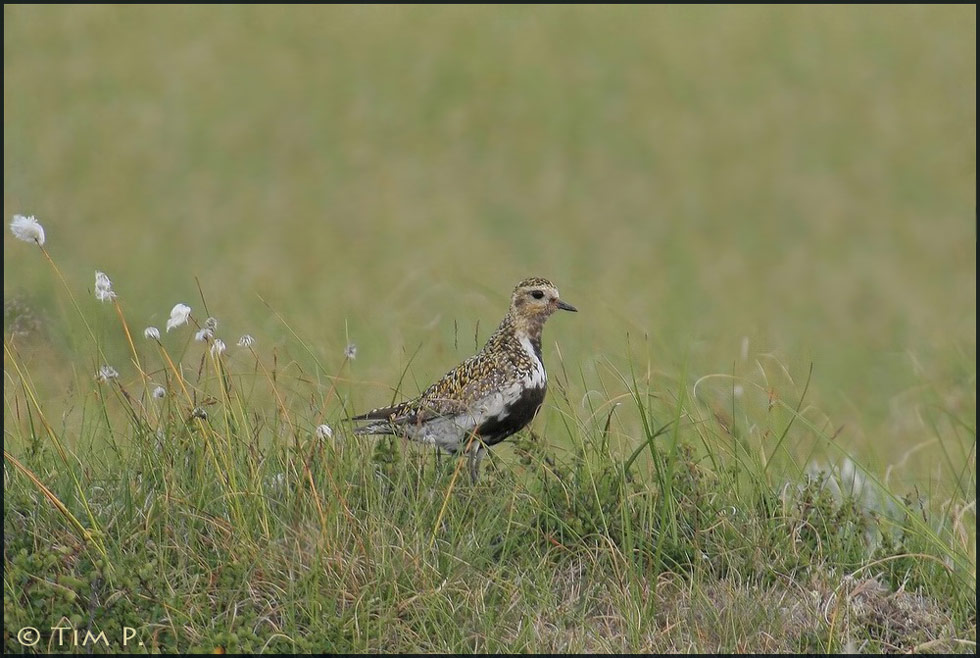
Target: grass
column 219, row 516
column 761, row 428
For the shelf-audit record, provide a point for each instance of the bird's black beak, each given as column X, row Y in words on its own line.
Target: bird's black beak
column 566, row 307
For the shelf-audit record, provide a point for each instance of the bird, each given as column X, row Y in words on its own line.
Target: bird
column 489, row 396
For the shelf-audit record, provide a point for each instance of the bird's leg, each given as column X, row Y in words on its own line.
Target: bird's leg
column 441, row 464
column 476, row 456
column 472, row 447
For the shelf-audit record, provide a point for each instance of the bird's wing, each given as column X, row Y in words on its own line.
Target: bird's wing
column 384, row 413
column 460, row 388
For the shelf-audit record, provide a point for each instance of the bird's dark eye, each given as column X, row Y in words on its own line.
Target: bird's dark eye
column 537, row 294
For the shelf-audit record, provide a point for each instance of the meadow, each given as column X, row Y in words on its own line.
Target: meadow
column 760, row 433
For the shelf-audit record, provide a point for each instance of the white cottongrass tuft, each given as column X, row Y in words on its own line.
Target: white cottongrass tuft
column 212, row 324
column 324, row 432
column 27, row 229
column 151, row 333
column 104, row 295
column 106, row 373
column 203, row 335
column 351, row 351
column 159, row 392
column 218, row 348
column 103, row 287
column 246, row 341
column 178, row 316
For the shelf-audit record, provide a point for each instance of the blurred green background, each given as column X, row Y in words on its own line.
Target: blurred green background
column 730, row 187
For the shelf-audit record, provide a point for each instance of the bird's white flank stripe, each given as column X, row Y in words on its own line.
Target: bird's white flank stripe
column 537, row 377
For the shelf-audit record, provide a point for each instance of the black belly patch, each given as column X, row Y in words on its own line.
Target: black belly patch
column 514, row 418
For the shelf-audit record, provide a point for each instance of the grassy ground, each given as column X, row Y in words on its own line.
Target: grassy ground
column 761, row 430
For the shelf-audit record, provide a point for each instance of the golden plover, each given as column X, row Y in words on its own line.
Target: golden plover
column 489, row 396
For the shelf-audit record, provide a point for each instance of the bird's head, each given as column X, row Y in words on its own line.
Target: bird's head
column 535, row 299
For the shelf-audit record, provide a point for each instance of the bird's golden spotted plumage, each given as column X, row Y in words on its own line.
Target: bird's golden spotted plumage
column 490, row 395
